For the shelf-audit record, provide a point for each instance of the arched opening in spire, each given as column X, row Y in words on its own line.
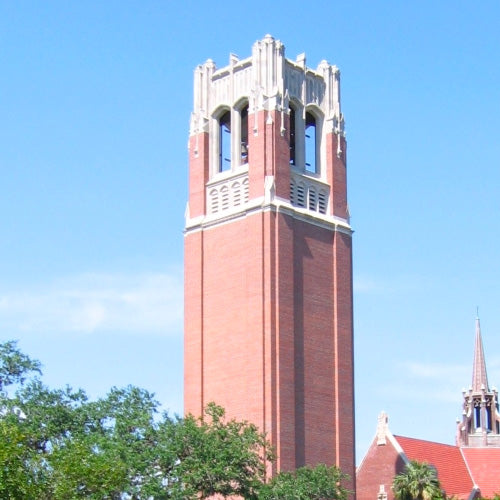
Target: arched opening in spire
column 489, row 427
column 477, row 414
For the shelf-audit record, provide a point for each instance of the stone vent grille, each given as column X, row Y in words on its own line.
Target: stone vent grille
column 309, row 193
column 227, row 193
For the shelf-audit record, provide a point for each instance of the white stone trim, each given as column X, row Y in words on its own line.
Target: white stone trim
column 227, row 192
column 309, row 191
column 475, row 487
column 260, row 204
column 265, row 78
column 397, row 447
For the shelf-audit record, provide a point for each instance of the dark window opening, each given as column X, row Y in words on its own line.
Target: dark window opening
column 310, row 143
column 225, row 142
column 244, row 135
column 477, row 417
column 292, row 136
column 488, row 419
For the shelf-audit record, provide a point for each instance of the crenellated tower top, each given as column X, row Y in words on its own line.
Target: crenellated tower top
column 270, row 81
column 267, row 131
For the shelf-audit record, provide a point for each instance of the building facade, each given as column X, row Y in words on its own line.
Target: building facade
column 466, row 471
column 268, row 261
column 480, row 425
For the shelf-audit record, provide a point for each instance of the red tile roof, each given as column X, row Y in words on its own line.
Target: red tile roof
column 484, row 465
column 448, row 461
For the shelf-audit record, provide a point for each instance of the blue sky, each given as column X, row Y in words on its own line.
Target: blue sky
column 95, row 99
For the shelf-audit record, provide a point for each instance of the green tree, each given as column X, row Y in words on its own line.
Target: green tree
column 17, row 468
column 214, row 456
column 418, row 481
column 55, row 444
column 307, row 483
column 14, row 365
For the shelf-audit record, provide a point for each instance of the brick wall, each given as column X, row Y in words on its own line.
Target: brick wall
column 268, row 333
column 380, row 465
column 268, row 311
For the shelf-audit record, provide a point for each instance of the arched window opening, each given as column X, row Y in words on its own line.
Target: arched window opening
column 489, row 426
column 244, row 135
column 225, row 142
column 292, row 136
column 477, row 416
column 310, row 143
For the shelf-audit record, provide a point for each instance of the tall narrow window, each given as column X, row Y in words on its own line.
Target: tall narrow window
column 489, row 427
column 292, row 136
column 244, row 135
column 225, row 142
column 477, row 415
column 310, row 143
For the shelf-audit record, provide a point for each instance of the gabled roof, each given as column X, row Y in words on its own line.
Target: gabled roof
column 464, row 472
column 484, row 466
column 449, row 462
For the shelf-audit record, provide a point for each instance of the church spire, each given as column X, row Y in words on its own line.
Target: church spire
column 480, row 425
column 479, row 376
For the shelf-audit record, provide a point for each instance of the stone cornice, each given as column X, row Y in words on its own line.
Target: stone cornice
column 260, row 205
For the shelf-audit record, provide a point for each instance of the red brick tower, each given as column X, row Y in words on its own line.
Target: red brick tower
column 268, row 266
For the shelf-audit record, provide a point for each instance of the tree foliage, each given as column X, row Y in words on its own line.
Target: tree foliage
column 14, row 365
column 214, row 456
column 55, row 444
column 307, row 483
column 418, row 481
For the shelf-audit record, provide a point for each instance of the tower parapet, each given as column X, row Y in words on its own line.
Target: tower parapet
column 267, row 130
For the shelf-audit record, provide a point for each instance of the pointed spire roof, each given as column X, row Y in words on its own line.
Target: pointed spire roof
column 479, row 376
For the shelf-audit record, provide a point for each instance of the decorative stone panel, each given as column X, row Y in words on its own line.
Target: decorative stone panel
column 226, row 193
column 308, row 192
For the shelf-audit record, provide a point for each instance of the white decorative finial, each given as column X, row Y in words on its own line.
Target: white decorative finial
column 301, row 60
column 382, row 428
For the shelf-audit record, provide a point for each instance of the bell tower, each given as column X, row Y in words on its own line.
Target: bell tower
column 268, row 261
column 480, row 424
